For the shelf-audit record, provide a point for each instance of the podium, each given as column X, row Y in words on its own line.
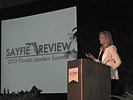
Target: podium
column 88, row 80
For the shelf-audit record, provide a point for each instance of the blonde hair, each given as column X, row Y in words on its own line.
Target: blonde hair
column 108, row 36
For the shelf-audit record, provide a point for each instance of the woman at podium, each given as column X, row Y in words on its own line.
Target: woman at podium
column 108, row 54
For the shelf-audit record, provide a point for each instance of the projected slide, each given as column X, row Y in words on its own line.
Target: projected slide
column 35, row 50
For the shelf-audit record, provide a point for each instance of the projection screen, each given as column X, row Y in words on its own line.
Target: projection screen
column 35, row 50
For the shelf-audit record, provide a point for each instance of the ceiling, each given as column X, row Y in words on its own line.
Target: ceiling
column 9, row 3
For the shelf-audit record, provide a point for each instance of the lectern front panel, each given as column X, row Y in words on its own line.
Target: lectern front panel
column 88, row 80
column 74, row 86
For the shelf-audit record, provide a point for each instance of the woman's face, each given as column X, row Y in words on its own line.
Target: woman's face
column 102, row 39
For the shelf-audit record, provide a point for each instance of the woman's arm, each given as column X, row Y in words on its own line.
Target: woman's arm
column 115, row 56
column 92, row 57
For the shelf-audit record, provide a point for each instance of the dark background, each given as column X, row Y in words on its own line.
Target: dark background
column 93, row 16
column 114, row 16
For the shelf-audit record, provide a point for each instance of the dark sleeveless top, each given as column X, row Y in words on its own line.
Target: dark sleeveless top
column 100, row 57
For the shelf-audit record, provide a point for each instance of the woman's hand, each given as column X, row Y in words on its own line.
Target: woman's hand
column 90, row 56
